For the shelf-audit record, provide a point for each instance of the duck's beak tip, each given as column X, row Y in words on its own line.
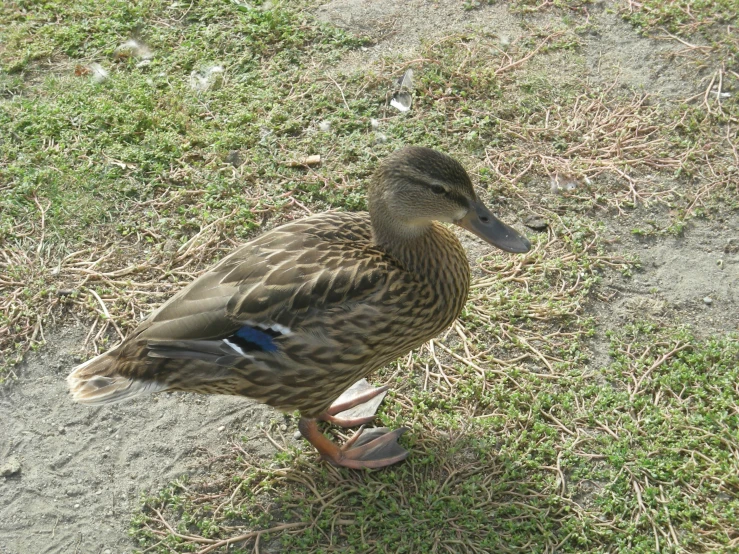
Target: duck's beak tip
column 481, row 222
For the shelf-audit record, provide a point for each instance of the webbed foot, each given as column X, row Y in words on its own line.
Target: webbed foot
column 356, row 406
column 368, row 448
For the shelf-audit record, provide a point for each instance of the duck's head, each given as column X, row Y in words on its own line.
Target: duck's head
column 415, row 186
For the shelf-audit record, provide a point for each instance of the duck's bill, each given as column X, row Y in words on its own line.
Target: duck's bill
column 489, row 228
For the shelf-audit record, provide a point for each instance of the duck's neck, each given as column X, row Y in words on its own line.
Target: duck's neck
column 403, row 241
column 431, row 251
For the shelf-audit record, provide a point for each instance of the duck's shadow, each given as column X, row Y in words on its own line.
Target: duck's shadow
column 454, row 489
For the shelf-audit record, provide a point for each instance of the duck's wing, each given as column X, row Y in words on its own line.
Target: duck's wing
column 293, row 281
column 292, row 318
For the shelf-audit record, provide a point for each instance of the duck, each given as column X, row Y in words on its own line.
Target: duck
column 300, row 316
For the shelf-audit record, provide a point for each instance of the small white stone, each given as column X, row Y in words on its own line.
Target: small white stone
column 11, row 466
column 708, row 300
column 222, row 428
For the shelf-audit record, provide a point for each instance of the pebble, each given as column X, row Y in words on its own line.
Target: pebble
column 536, row 223
column 222, row 428
column 234, row 158
column 297, row 435
column 10, row 467
column 708, row 300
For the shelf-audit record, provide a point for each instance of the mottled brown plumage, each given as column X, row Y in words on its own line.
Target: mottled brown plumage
column 296, row 316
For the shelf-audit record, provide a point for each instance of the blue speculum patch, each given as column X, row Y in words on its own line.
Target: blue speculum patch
column 252, row 338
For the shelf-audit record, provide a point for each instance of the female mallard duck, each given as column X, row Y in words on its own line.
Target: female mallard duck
column 296, row 316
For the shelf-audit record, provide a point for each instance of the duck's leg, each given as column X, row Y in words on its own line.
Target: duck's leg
column 356, row 406
column 371, row 448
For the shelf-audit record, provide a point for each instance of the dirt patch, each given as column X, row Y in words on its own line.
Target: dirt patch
column 612, row 50
column 692, row 279
column 83, row 469
column 615, row 53
column 399, row 29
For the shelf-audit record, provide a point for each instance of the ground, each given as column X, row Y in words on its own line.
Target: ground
column 586, row 399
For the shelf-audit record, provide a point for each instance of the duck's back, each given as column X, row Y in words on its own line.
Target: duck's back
column 292, row 319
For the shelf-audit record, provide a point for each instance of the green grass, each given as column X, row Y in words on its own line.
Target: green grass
column 682, row 16
column 584, row 463
column 140, row 159
column 115, row 194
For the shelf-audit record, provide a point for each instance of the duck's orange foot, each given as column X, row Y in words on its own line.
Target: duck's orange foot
column 368, row 448
column 356, row 406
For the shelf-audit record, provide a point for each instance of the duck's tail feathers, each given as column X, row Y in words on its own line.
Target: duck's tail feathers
column 97, row 382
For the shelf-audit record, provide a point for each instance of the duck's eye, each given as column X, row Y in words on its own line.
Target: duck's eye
column 438, row 189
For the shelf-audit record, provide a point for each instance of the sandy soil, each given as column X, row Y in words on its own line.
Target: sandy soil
column 82, row 469
column 693, row 279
